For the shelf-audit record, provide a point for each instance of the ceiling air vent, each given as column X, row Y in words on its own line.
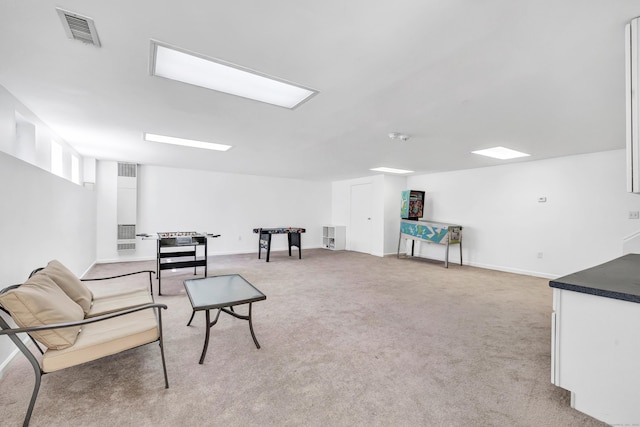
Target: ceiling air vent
column 79, row 27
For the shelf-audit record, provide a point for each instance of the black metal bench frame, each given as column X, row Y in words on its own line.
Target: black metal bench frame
column 12, row 333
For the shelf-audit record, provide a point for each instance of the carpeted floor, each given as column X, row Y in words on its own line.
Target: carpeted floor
column 347, row 339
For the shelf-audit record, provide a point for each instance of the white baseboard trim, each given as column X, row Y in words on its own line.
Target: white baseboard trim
column 514, row 270
column 209, row 255
column 492, row 267
column 11, row 355
column 88, row 269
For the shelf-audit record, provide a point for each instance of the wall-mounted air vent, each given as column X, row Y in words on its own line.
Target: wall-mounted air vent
column 79, row 27
column 127, row 169
column 127, row 200
column 126, row 231
column 126, row 246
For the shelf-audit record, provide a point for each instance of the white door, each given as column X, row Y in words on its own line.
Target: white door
column 359, row 229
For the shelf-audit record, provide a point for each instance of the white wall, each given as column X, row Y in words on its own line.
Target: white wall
column 583, row 222
column 173, row 199
column 107, row 211
column 26, row 137
column 43, row 217
column 385, row 215
column 341, row 209
column 393, row 187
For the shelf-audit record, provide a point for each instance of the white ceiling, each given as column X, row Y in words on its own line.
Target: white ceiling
column 545, row 77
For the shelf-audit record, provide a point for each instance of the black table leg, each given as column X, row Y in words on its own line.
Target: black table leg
column 209, row 324
column 295, row 240
column 158, row 271
column 206, row 337
column 255, row 341
column 248, row 317
column 206, row 260
column 206, row 340
column 268, row 246
column 193, row 313
column 446, row 256
column 264, row 242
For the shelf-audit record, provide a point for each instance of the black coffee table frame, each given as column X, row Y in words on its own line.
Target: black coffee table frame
column 222, row 293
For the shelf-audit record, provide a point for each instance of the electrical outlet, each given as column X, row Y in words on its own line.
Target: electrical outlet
column 634, row 214
column 540, row 255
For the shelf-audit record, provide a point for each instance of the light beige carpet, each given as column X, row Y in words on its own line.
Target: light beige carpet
column 347, row 339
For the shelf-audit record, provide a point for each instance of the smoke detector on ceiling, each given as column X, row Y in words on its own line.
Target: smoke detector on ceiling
column 397, row 135
column 79, row 27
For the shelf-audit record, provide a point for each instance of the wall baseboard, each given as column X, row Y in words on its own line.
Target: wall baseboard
column 14, row 353
column 210, row 254
column 485, row 266
column 514, row 270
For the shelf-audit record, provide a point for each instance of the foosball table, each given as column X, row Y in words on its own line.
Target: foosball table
column 293, row 238
column 182, row 245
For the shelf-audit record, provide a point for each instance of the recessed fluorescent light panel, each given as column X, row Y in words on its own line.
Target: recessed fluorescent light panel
column 177, row 64
column 390, row 170
column 185, row 142
column 501, row 153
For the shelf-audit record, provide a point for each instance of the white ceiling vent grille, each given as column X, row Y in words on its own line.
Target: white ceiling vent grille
column 79, row 27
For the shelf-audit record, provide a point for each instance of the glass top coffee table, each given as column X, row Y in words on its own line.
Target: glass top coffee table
column 222, row 293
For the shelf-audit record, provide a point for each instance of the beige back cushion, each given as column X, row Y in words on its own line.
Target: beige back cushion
column 39, row 301
column 69, row 283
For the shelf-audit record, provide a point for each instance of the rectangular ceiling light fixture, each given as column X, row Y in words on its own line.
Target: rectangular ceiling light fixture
column 187, row 67
column 390, row 170
column 501, row 153
column 185, row 142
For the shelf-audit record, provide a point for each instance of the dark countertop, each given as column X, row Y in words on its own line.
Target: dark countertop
column 618, row 279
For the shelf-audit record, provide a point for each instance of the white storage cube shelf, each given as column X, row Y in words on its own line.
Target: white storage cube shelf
column 334, row 237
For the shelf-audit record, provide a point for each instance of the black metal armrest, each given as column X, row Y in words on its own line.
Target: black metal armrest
column 8, row 288
column 12, row 334
column 120, row 275
column 13, row 331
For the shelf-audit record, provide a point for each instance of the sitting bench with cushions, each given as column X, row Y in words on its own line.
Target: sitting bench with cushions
column 59, row 311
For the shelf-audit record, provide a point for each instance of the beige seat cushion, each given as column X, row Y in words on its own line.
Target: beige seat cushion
column 69, row 283
column 105, row 338
column 108, row 288
column 39, row 301
column 116, row 302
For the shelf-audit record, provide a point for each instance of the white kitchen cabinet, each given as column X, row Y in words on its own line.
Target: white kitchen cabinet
column 595, row 343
